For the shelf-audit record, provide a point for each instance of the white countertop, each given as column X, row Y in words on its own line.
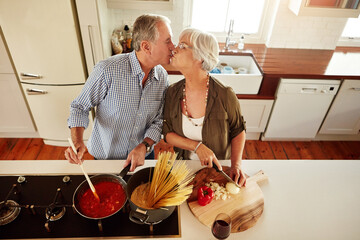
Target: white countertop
column 311, row 199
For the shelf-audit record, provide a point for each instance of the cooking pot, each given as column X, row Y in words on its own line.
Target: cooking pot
column 84, row 186
column 142, row 215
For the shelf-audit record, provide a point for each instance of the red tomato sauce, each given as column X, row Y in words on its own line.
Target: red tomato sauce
column 112, row 197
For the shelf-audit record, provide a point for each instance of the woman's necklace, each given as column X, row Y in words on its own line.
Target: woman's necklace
column 185, row 108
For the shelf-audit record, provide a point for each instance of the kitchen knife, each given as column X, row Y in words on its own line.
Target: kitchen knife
column 225, row 175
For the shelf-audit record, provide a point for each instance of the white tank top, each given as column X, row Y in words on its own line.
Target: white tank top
column 192, row 132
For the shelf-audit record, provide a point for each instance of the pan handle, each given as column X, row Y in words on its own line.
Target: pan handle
column 138, row 217
column 125, row 171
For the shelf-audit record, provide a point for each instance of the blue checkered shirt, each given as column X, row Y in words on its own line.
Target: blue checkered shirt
column 126, row 113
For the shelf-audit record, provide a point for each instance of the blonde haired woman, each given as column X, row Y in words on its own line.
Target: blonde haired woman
column 202, row 117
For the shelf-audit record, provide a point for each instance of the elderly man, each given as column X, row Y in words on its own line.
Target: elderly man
column 128, row 92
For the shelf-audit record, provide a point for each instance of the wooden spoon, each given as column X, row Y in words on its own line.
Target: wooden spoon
column 82, row 169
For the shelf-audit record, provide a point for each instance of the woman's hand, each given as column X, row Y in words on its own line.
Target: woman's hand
column 238, row 175
column 207, row 156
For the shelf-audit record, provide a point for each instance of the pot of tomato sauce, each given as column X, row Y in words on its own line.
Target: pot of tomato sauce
column 111, row 190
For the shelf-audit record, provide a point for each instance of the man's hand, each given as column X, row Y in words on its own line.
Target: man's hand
column 73, row 157
column 77, row 134
column 136, row 157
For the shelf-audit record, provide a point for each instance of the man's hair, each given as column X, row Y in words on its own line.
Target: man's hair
column 145, row 29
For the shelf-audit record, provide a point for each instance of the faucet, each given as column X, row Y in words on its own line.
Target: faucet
column 228, row 42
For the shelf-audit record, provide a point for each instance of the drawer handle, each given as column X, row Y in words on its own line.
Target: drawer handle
column 34, row 91
column 26, row 76
column 355, row 89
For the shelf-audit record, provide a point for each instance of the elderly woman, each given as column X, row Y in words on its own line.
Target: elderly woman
column 202, row 117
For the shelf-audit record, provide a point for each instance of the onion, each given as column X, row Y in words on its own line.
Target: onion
column 232, row 188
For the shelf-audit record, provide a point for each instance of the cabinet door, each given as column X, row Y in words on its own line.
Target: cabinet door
column 89, row 19
column 5, row 64
column 344, row 114
column 256, row 114
column 42, row 39
column 15, row 116
column 50, row 107
column 329, row 8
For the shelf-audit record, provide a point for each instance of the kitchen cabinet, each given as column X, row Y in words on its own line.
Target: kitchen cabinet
column 344, row 114
column 95, row 30
column 325, row 8
column 15, row 120
column 256, row 114
column 43, row 40
column 141, row 4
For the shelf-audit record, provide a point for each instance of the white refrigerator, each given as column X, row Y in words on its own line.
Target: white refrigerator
column 45, row 44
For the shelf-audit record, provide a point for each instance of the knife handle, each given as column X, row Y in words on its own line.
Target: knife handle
column 216, row 167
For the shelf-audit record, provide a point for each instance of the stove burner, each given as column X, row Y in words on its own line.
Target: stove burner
column 54, row 213
column 8, row 212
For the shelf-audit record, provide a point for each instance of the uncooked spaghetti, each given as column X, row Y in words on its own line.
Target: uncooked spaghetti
column 169, row 185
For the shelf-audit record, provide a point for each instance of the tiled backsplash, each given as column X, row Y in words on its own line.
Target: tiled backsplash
column 288, row 30
column 291, row 31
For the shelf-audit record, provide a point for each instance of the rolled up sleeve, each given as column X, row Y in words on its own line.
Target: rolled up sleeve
column 90, row 96
column 236, row 120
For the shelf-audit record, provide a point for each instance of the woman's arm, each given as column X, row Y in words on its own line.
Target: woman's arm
column 237, row 148
column 205, row 154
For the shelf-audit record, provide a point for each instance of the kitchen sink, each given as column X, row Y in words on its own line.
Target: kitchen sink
column 241, row 72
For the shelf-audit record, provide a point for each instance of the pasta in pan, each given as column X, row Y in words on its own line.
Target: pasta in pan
column 169, row 185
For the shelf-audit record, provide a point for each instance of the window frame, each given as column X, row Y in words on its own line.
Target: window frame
column 260, row 37
column 348, row 41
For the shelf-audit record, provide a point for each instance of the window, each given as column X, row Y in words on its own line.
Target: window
column 352, row 28
column 214, row 16
column 351, row 33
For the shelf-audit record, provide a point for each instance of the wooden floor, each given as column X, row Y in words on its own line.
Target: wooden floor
column 35, row 149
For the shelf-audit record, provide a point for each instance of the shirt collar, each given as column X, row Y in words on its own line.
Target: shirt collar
column 136, row 67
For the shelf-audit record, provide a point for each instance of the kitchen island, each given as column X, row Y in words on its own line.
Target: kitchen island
column 311, row 199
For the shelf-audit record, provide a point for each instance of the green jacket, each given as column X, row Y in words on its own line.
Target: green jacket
column 223, row 120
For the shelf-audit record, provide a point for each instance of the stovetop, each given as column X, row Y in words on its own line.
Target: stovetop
column 37, row 193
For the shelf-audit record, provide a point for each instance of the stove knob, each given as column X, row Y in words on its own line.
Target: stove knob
column 21, row 179
column 66, row 179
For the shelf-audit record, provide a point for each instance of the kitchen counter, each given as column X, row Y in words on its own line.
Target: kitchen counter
column 276, row 63
column 311, row 199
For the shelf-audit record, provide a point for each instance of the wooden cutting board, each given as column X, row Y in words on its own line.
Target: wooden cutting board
column 244, row 208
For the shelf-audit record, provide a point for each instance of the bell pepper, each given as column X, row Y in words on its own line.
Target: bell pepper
column 205, row 195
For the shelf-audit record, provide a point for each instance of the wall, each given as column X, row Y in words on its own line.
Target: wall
column 286, row 30
column 122, row 17
column 291, row 31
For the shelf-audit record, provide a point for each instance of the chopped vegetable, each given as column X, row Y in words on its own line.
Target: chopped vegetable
column 205, row 195
column 220, row 191
column 232, row 188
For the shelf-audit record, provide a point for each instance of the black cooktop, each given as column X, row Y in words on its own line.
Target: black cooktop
column 38, row 192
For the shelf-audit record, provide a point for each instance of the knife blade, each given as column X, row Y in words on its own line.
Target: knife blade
column 225, row 175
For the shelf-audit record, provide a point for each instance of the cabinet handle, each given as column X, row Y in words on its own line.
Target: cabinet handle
column 309, row 89
column 26, row 76
column 34, row 91
column 355, row 89
column 91, row 37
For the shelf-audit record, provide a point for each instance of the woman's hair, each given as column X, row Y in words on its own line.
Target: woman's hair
column 145, row 28
column 205, row 47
